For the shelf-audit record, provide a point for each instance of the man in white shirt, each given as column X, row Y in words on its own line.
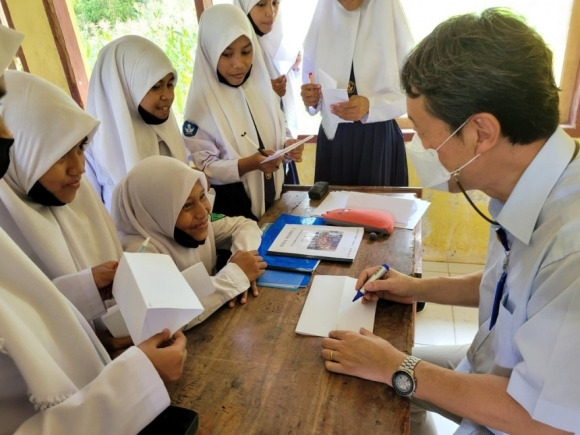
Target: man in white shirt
column 482, row 96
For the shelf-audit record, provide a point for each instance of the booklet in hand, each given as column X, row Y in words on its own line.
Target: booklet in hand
column 152, row 294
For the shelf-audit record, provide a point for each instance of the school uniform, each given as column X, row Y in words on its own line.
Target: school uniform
column 55, row 376
column 364, row 57
column 65, row 241
column 217, row 116
column 126, row 69
column 147, row 203
column 280, row 55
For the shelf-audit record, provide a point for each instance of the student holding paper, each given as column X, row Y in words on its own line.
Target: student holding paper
column 165, row 200
column 55, row 377
column 282, row 58
column 233, row 119
column 47, row 206
column 360, row 44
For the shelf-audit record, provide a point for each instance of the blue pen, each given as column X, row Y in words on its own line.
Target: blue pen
column 378, row 274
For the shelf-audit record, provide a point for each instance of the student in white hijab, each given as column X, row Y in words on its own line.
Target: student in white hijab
column 131, row 91
column 279, row 50
column 165, row 200
column 46, row 205
column 55, row 377
column 361, row 45
column 232, row 116
column 281, row 56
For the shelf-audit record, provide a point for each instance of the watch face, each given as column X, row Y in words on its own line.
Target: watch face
column 403, row 383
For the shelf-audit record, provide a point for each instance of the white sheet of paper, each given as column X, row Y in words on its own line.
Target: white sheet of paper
column 287, row 149
column 407, row 211
column 331, row 95
column 199, row 280
column 329, row 306
column 152, row 294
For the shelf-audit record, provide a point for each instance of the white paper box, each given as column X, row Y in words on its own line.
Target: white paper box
column 152, row 294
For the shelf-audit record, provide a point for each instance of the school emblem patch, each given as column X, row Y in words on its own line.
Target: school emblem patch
column 189, row 129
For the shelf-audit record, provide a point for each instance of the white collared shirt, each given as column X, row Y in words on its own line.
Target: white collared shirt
column 535, row 340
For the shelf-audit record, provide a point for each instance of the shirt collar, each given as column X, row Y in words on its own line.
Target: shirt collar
column 520, row 212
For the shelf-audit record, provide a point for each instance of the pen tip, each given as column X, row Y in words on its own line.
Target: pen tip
column 357, row 296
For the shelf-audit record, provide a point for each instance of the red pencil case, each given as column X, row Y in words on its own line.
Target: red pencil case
column 372, row 220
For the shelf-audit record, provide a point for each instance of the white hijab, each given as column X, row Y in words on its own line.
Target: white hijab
column 375, row 38
column 126, row 69
column 11, row 40
column 280, row 52
column 147, row 202
column 46, row 124
column 39, row 331
column 226, row 112
column 54, row 349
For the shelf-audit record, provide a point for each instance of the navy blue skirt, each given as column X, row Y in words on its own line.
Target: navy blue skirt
column 362, row 155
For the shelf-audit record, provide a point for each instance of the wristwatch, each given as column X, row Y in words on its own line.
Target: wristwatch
column 403, row 380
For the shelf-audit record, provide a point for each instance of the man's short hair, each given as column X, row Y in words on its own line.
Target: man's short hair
column 492, row 62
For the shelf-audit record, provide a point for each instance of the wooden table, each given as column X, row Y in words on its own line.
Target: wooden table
column 248, row 372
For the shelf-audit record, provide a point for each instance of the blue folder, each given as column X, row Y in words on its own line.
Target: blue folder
column 281, row 262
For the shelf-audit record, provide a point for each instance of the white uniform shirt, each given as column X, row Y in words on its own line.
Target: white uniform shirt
column 535, row 340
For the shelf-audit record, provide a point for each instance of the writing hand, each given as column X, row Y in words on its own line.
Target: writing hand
column 393, row 286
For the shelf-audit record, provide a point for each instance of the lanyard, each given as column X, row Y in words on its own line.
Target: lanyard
column 502, row 236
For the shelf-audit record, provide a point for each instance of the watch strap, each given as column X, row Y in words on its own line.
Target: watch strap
column 409, row 364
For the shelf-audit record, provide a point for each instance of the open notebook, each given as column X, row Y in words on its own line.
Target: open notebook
column 329, row 306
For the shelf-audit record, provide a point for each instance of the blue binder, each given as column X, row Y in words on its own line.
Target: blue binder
column 280, row 262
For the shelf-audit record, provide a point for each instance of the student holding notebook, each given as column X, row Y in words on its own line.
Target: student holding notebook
column 281, row 56
column 233, row 119
column 360, row 44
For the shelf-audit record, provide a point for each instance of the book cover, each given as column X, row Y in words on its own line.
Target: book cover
column 323, row 242
column 279, row 262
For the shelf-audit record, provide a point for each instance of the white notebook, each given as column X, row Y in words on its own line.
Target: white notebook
column 329, row 306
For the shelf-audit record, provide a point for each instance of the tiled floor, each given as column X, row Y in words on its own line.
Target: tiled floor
column 441, row 324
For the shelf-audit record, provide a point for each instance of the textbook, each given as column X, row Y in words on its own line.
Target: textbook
column 285, row 263
column 323, row 242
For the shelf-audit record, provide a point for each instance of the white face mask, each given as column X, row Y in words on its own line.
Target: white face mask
column 427, row 164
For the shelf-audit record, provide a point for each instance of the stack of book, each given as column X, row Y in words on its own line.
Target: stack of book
column 294, row 245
